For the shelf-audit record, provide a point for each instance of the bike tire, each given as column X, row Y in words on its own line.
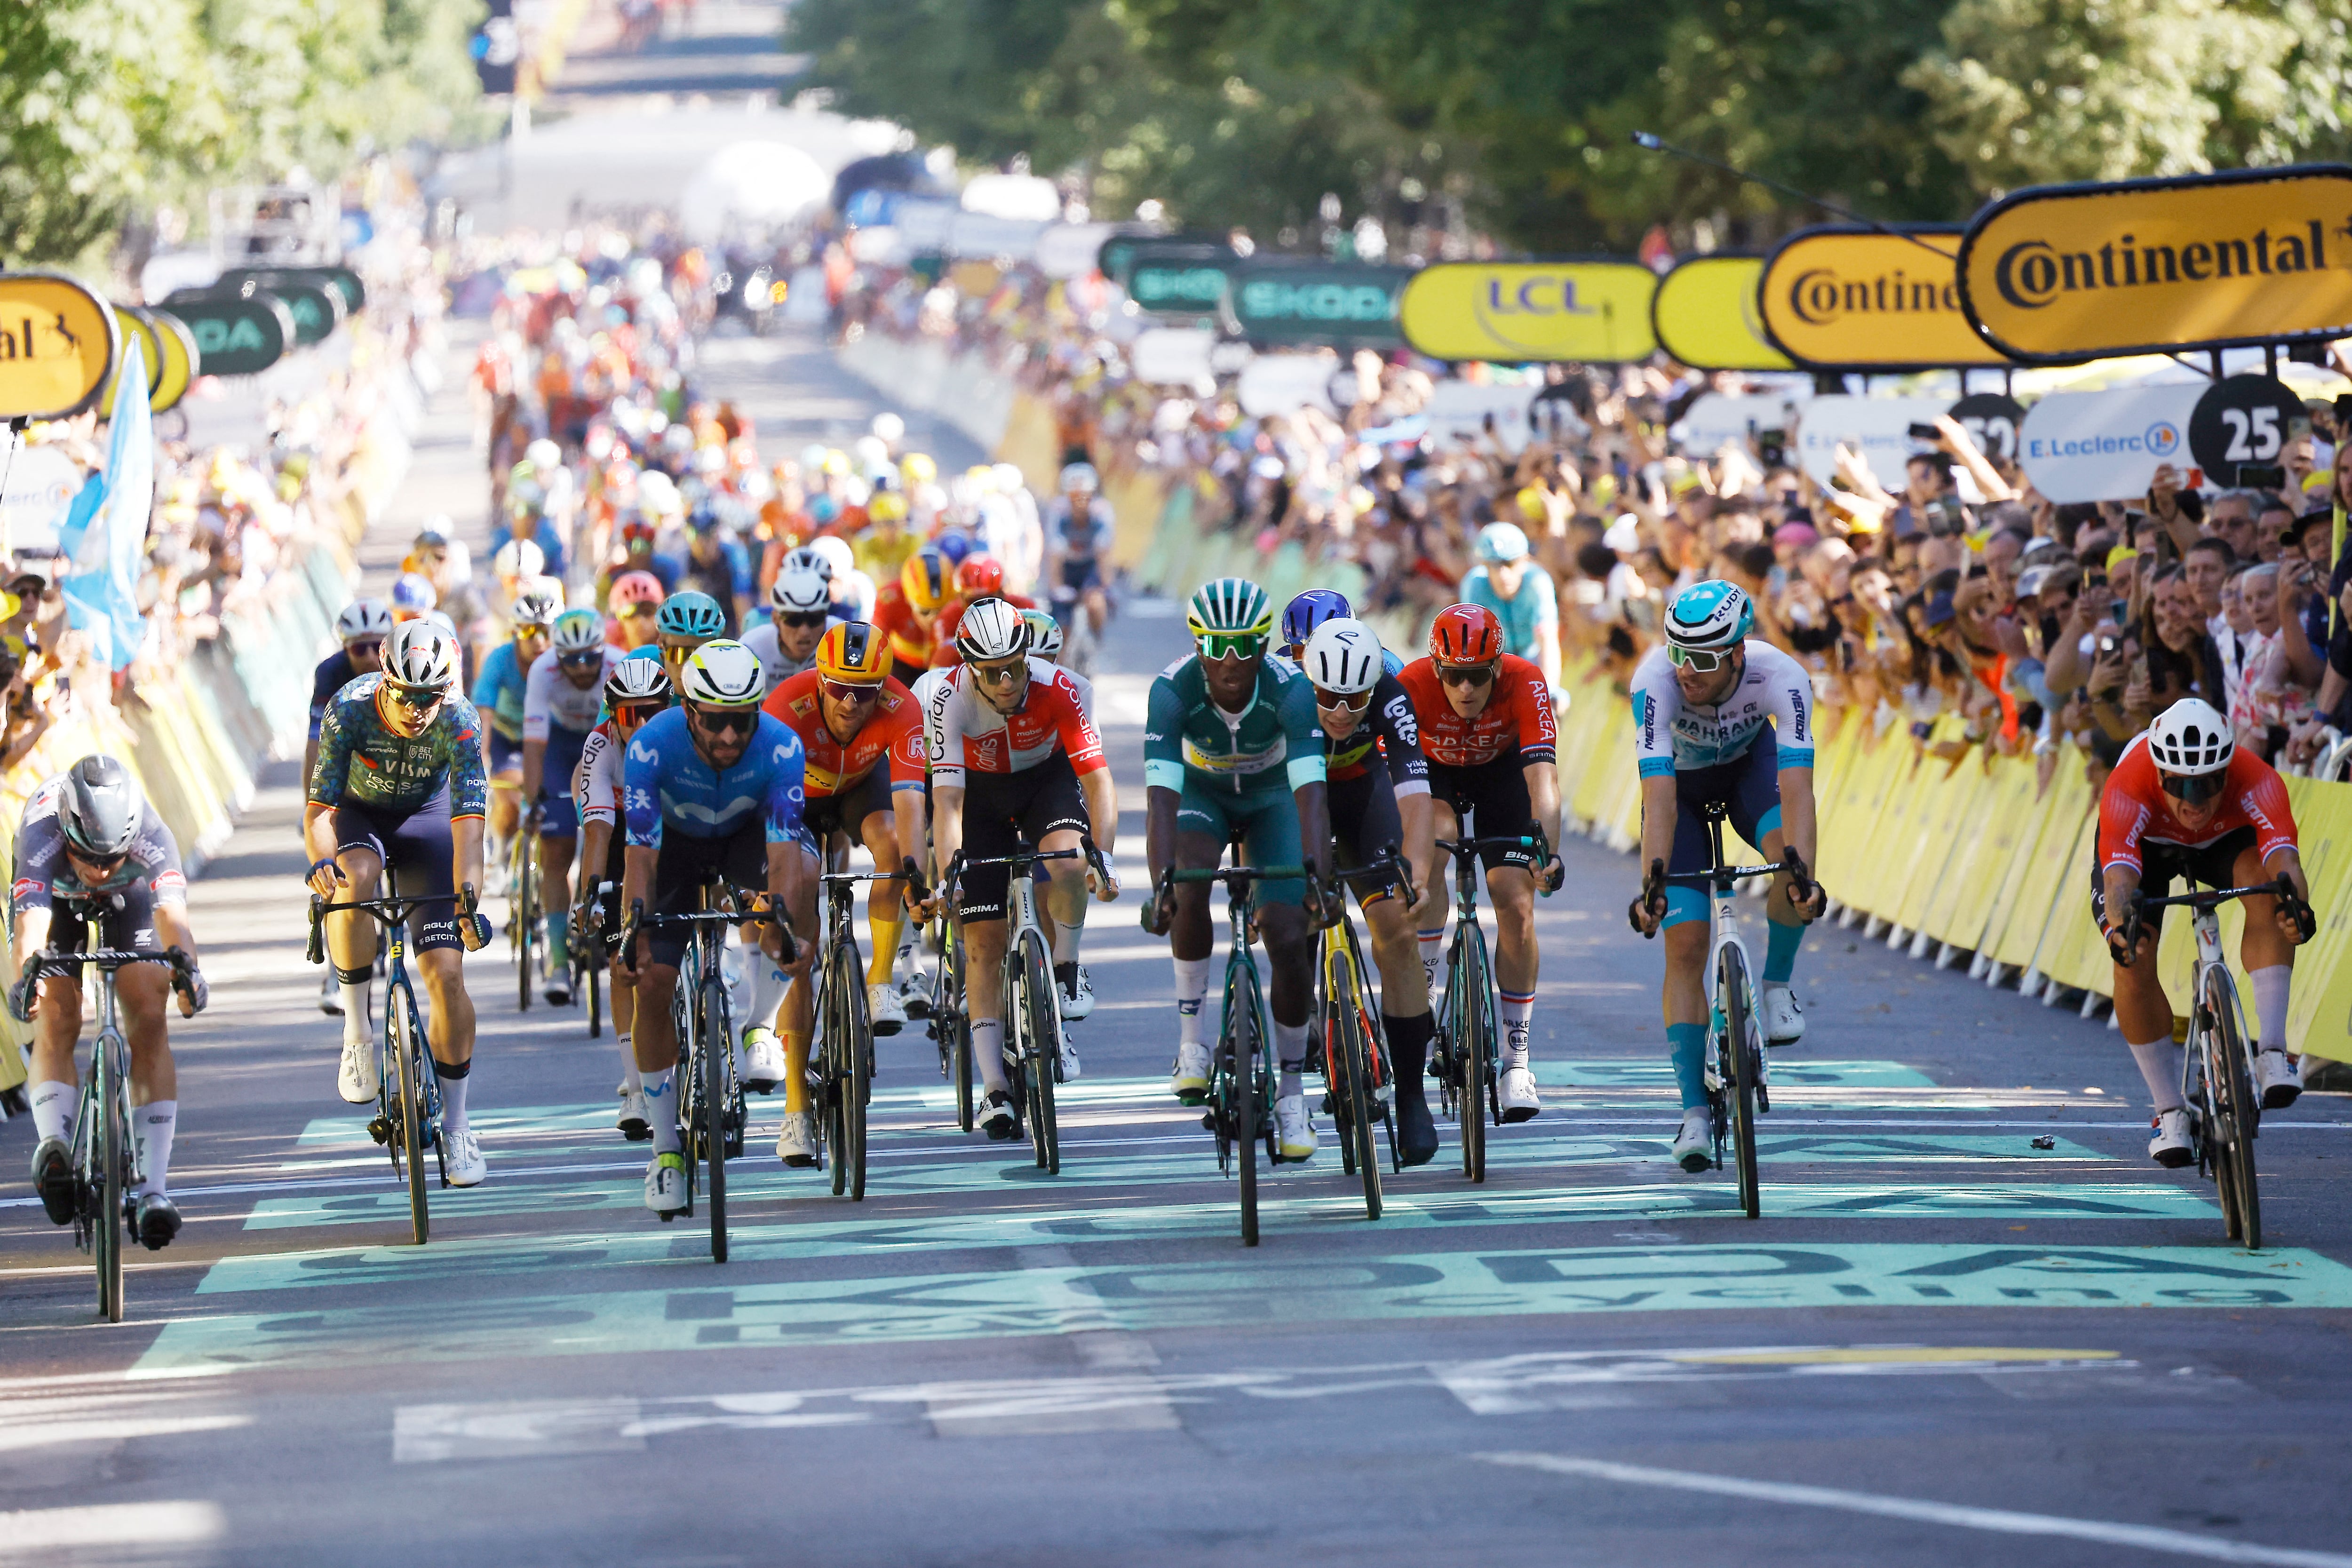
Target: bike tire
column 526, row 928
column 832, row 1071
column 1474, row 1032
column 113, row 1149
column 1242, row 1026
column 715, row 1051
column 592, row 978
column 2232, row 1091
column 1355, row 1101
column 1041, row 1004
column 1740, row 1044
column 852, row 1040
column 957, row 1024
column 407, row 1042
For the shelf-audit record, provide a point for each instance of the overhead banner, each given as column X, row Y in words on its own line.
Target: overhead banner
column 59, row 345
column 1705, row 315
column 2149, row 266
column 1336, row 306
column 1531, row 312
column 1845, row 299
column 341, row 280
column 2106, row 445
column 235, row 335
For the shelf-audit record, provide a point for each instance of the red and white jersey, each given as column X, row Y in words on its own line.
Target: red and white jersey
column 963, row 731
column 1517, row 717
column 2134, row 810
column 596, row 781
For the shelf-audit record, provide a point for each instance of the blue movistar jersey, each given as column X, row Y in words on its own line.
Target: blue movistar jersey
column 363, row 762
column 666, row 783
column 1672, row 735
column 499, row 691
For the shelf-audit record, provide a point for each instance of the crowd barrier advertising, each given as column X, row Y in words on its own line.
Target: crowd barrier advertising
column 236, row 334
column 1529, row 313
column 1705, row 315
column 59, row 345
column 2092, row 446
column 1844, row 298
column 1342, row 306
column 2254, row 256
column 1172, row 356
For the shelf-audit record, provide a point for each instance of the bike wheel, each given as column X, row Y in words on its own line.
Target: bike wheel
column 957, row 1024
column 592, row 977
column 113, row 1149
column 407, row 1039
column 526, row 926
column 1241, row 1021
column 1352, row 1099
column 1041, row 1008
column 852, row 1034
column 1741, row 1048
column 717, row 1048
column 2230, row 1083
column 1473, row 1055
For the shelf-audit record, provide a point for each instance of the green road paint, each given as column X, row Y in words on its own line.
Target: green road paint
column 1627, row 1073
column 652, row 1243
column 1251, row 1291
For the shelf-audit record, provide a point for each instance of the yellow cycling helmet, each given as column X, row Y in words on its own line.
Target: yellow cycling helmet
column 854, row 654
column 924, row 580
column 916, row 469
column 889, row 506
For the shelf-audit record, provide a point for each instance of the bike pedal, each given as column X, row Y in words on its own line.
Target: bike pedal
column 1210, row 1121
column 380, row 1129
column 1763, row 1099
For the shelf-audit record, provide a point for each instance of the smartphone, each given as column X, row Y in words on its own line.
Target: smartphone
column 2260, row 476
column 1926, row 433
column 2121, row 611
column 2106, row 646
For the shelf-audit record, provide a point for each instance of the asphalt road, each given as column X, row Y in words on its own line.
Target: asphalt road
column 1941, row 1345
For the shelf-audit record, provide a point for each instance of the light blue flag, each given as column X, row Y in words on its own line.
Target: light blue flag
column 105, row 533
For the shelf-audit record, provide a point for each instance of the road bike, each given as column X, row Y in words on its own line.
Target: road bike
column 408, row 1096
column 948, row 1024
column 105, row 1156
column 2217, row 1071
column 1739, row 1079
column 844, row 1036
column 1033, row 1040
column 589, row 961
column 1356, row 1070
column 1463, row 1052
column 525, row 907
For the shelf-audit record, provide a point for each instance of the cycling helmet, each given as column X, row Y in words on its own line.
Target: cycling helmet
column 1710, row 614
column 99, row 807
column 855, row 653
column 638, row 527
column 1343, row 656
column 979, row 575
column 1234, row 606
column 1080, row 478
column 722, row 675
column 916, row 469
column 1310, row 610
column 691, row 615
column 637, row 681
column 635, row 588
column 519, row 558
column 798, row 591
column 834, row 550
column 808, row 558
column 413, row 593
column 545, row 456
column 924, row 580
column 363, row 618
column 1045, row 634
column 1465, row 634
column 423, row 656
column 2191, row 744
column 955, row 546
column 538, row 607
column 992, row 629
column 887, row 506
column 1501, row 542
column 580, row 631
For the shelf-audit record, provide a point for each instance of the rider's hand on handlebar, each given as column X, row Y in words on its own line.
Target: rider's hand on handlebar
column 195, row 992
column 25, row 998
column 1549, row 878
column 324, row 877
column 1160, row 912
column 1648, row 910
column 2297, row 920
column 473, row 926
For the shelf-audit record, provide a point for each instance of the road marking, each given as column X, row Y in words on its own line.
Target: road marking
column 2003, row 1521
column 25, row 1531
column 1581, row 1380
column 1625, row 1072
column 422, row 1434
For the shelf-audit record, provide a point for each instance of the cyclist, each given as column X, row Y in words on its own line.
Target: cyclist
column 714, row 784
column 886, row 545
column 635, row 691
column 362, row 627
column 802, row 608
column 399, row 782
column 1045, row 642
column 1486, row 726
column 634, row 607
column 855, row 593
column 1078, row 527
column 862, row 737
column 685, row 622
column 976, row 577
column 90, row 833
column 413, row 598
column 1232, row 750
column 501, row 689
column 904, row 610
column 1721, row 718
column 2186, row 801
column 516, row 566
column 1014, row 760
column 638, row 535
column 1507, row 581
column 563, row 695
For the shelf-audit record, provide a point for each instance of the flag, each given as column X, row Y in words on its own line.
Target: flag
column 105, row 533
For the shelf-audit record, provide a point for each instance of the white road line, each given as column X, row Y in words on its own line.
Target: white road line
column 45, row 1530
column 2003, row 1521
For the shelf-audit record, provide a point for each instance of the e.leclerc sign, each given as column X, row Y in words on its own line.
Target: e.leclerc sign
column 1592, row 312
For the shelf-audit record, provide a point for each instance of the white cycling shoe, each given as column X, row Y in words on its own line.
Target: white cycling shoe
column 1517, row 1090
column 1190, row 1081
column 1784, row 1021
column 1294, row 1129
column 886, row 1010
column 914, row 987
column 796, row 1139
column 1077, row 989
column 2170, row 1146
column 357, row 1080
column 2278, row 1077
column 763, row 1059
column 1694, row 1148
column 631, row 1122
column 461, row 1158
column 1069, row 1060
column 666, row 1184
column 992, row 1114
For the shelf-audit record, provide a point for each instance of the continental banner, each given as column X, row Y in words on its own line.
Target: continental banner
column 59, row 345
column 1592, row 312
column 2254, row 255
column 1843, row 299
column 1705, row 316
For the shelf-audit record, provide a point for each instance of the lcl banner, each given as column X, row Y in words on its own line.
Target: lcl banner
column 1705, row 315
column 2148, row 266
column 1844, row 298
column 1592, row 312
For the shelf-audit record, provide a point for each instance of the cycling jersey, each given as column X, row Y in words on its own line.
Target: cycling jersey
column 1274, row 742
column 1517, row 716
column 363, row 762
column 893, row 729
column 665, row 783
column 540, row 532
column 1389, row 731
column 963, row 732
column 42, row 873
column 334, row 673
column 911, row 635
column 1672, row 735
column 596, row 781
column 1535, row 606
column 2134, row 810
column 551, row 700
column 1082, row 537
column 501, row 690
column 775, row 666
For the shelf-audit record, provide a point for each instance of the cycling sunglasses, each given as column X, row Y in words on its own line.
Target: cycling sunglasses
column 370, row 648
column 725, row 720
column 1704, row 661
column 1000, row 674
column 587, row 660
column 1465, row 674
column 809, row 621
column 841, row 691
column 106, row 866
column 417, row 698
column 629, row 715
column 1342, row 703
column 2194, row 789
column 1223, row 645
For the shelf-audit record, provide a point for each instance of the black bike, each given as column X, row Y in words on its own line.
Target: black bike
column 1464, row 1051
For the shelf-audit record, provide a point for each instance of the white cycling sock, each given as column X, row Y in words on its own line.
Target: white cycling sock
column 766, row 989
column 152, row 1126
column 630, row 1081
column 1290, row 1056
column 1517, row 1013
column 2159, row 1064
column 453, row 1093
column 661, row 1109
column 988, row 1051
column 1191, row 986
column 1066, row 938
column 355, row 1004
column 53, row 1109
column 2270, row 1004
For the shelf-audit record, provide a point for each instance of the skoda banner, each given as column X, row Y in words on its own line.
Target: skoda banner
column 1840, row 299
column 235, row 335
column 2105, row 446
column 2148, row 265
column 58, row 344
column 1705, row 315
column 1592, row 312
column 341, row 280
column 1337, row 305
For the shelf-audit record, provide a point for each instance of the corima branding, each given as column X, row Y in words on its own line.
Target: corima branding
column 2032, row 273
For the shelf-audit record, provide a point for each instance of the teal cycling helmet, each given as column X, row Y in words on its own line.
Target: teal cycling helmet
column 1501, row 542
column 1713, row 614
column 690, row 614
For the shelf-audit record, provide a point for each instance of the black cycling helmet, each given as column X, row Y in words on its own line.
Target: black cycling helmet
column 101, row 807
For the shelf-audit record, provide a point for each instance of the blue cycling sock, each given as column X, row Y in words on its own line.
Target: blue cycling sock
column 1686, row 1044
column 1780, row 955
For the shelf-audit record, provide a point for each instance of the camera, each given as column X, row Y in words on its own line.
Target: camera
column 1926, row 433
column 1945, row 519
column 2260, row 476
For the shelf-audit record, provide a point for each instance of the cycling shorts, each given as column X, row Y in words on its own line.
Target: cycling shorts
column 1749, row 787
column 826, row 814
column 1364, row 821
column 740, row 858
column 559, row 814
column 418, row 846
column 1079, row 575
column 1489, row 800
column 506, row 756
column 1265, row 821
column 129, row 929
column 1003, row 812
column 2214, row 865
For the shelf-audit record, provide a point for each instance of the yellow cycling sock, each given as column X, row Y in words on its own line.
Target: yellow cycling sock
column 886, row 950
column 795, row 1072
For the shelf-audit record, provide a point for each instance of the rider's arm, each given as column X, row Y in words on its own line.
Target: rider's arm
column 40, row 843
column 1102, row 806
column 2124, row 816
column 1800, row 827
column 324, row 789
column 172, row 925
column 1657, row 700
column 1789, row 690
column 1306, row 750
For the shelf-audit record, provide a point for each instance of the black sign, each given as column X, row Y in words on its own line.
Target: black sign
column 236, row 334
column 1121, row 254
column 341, row 280
column 1991, row 420
column 2243, row 422
column 1335, row 305
column 317, row 307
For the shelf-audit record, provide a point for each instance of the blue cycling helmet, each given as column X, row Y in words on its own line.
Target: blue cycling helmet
column 1501, row 542
column 690, row 614
column 1310, row 610
column 954, row 544
column 1710, row 614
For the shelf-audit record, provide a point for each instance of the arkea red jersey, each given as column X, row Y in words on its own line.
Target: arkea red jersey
column 1517, row 717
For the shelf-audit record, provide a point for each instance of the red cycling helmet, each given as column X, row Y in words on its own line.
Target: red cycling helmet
column 1465, row 634
column 980, row 575
column 635, row 588
column 637, row 528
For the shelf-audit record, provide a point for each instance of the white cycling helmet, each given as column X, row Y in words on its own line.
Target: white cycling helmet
column 1081, row 478
column 580, row 631
column 992, row 629
column 422, row 655
column 1343, row 656
column 545, row 456
column 1045, row 634
column 363, row 618
column 637, row 681
column 834, row 551
column 536, row 605
column 519, row 558
column 2192, row 744
column 807, row 558
column 798, row 591
column 723, row 674
column 888, row 427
